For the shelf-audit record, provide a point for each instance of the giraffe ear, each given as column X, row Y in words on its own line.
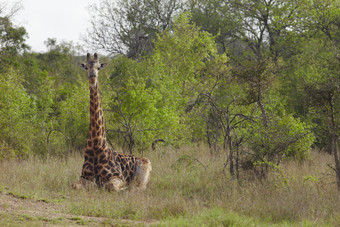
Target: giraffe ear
column 83, row 66
column 103, row 65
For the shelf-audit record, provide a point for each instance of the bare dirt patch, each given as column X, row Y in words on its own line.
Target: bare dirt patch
column 17, row 210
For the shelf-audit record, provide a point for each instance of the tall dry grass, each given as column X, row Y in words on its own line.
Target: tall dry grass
column 184, row 183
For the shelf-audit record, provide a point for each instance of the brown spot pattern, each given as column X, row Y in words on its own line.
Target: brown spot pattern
column 102, row 163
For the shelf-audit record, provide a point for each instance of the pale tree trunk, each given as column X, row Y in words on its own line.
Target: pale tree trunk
column 267, row 155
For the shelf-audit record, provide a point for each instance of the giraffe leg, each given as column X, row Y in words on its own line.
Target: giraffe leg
column 115, row 184
column 87, row 177
column 143, row 169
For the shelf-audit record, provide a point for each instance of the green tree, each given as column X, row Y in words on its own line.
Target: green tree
column 17, row 124
column 318, row 71
column 257, row 40
column 188, row 64
column 61, row 61
column 73, row 118
column 151, row 96
column 137, row 113
column 234, row 119
column 12, row 38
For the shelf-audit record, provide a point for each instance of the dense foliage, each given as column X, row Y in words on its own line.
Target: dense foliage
column 258, row 80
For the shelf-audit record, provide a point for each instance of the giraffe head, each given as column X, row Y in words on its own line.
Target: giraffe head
column 92, row 66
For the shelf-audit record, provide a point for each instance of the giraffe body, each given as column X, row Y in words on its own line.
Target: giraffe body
column 102, row 164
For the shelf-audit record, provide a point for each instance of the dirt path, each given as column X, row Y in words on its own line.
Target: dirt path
column 18, row 211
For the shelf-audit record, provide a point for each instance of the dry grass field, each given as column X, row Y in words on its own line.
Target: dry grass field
column 188, row 187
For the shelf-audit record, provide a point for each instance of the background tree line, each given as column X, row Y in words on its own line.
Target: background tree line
column 256, row 79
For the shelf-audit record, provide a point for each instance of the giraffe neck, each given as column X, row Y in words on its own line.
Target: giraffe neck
column 97, row 135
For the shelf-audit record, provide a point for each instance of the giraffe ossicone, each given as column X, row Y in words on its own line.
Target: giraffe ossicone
column 102, row 165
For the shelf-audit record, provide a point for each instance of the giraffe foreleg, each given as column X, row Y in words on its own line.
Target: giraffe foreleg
column 87, row 177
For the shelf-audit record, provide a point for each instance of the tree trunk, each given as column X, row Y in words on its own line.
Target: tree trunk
column 334, row 140
column 237, row 163
column 336, row 160
column 263, row 109
column 230, row 146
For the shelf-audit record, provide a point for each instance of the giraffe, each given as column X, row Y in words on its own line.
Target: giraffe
column 102, row 164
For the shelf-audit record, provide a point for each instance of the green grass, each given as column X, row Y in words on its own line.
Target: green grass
column 220, row 217
column 27, row 220
column 187, row 188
